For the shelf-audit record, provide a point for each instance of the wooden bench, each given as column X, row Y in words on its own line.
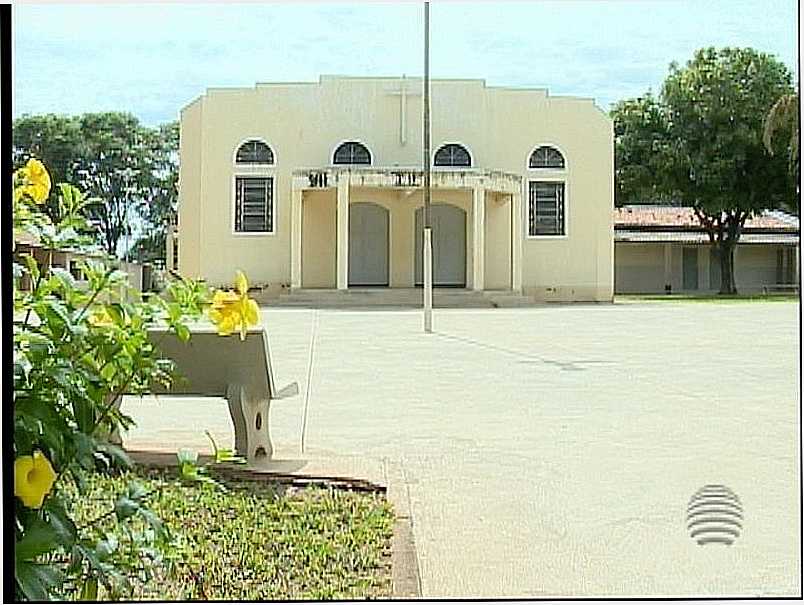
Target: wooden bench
column 780, row 288
column 209, row 365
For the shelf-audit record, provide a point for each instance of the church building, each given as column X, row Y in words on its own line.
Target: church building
column 319, row 185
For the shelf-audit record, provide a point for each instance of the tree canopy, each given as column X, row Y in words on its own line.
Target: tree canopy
column 130, row 169
column 700, row 144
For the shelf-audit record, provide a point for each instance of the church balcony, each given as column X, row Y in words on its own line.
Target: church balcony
column 396, row 177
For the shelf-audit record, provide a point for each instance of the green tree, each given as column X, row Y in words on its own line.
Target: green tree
column 56, row 141
column 705, row 134
column 114, row 168
column 640, row 131
column 158, row 206
column 131, row 170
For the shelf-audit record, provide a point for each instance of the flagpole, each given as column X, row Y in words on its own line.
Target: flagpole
column 427, row 256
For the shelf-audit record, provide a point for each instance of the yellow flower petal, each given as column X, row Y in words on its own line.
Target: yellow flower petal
column 33, row 479
column 224, row 297
column 251, row 313
column 227, row 324
column 38, row 180
column 100, row 317
column 241, row 283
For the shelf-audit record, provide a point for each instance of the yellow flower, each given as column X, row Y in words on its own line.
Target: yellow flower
column 33, row 479
column 101, row 318
column 36, row 181
column 232, row 311
column 241, row 283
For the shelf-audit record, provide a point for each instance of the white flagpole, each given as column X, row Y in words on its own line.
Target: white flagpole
column 427, row 255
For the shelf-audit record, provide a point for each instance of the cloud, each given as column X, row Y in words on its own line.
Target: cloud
column 153, row 59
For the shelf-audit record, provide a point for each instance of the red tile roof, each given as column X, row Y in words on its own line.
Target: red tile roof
column 680, row 217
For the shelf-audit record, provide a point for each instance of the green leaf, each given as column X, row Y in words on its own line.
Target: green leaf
column 125, row 507
column 89, row 590
column 36, row 580
column 60, row 521
column 39, row 538
column 64, row 278
column 33, row 266
column 183, row 332
column 84, row 413
column 106, row 547
column 136, row 491
column 188, row 457
column 115, row 455
column 154, row 522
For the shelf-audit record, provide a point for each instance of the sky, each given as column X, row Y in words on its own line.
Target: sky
column 152, row 59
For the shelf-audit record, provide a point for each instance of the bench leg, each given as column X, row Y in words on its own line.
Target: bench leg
column 250, row 419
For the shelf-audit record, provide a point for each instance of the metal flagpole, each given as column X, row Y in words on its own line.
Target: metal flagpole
column 427, row 256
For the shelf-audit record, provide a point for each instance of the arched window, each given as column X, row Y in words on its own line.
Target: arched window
column 452, row 154
column 254, row 152
column 351, row 152
column 546, row 157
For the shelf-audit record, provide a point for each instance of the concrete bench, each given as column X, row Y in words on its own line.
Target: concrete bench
column 780, row 288
column 209, row 365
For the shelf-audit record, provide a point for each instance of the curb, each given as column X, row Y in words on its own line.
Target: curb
column 404, row 560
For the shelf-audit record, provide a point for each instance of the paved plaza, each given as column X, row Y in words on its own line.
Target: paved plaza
column 550, row 451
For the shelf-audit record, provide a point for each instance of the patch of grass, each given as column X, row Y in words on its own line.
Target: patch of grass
column 258, row 541
column 707, row 298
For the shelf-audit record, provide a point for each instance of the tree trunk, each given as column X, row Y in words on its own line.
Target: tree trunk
column 726, row 256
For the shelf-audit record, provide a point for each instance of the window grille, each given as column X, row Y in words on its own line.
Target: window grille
column 546, row 157
column 452, row 154
column 253, row 204
column 351, row 153
column 254, row 152
column 546, row 208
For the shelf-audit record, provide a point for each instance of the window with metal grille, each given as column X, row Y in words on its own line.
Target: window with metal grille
column 546, row 208
column 254, row 152
column 351, row 153
column 546, row 157
column 452, row 154
column 254, row 208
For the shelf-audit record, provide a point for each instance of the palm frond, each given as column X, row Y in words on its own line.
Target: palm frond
column 783, row 114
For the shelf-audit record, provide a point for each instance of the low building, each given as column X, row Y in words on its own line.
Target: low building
column 661, row 249
column 319, row 185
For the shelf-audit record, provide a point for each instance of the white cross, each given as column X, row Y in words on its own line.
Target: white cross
column 403, row 93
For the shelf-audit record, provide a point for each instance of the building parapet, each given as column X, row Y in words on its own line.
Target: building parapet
column 396, row 177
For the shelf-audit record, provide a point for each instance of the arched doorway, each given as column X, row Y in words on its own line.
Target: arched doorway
column 368, row 244
column 449, row 245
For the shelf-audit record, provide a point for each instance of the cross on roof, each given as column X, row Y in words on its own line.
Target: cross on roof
column 402, row 92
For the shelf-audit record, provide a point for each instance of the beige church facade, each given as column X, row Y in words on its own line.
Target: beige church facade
column 319, row 185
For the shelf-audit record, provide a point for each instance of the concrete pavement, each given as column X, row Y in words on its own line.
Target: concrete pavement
column 550, row 451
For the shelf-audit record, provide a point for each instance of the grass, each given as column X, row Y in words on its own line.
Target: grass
column 258, row 541
column 706, row 298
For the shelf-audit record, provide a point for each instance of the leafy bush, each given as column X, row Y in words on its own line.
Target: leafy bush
column 77, row 349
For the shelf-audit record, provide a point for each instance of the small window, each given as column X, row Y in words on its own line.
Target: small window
column 546, row 208
column 546, row 157
column 254, row 152
column 352, row 153
column 175, row 265
column 452, row 154
column 254, row 204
